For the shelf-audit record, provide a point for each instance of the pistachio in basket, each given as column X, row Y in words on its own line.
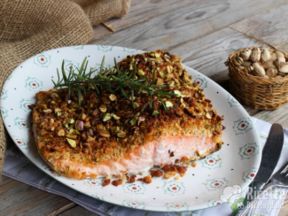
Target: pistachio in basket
column 264, row 62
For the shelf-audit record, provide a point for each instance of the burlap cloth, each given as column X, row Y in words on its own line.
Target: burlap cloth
column 28, row 27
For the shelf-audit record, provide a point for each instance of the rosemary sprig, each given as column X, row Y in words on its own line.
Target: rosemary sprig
column 81, row 80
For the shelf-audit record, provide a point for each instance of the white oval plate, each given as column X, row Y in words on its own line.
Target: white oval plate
column 235, row 164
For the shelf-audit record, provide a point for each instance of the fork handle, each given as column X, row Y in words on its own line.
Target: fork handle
column 267, row 203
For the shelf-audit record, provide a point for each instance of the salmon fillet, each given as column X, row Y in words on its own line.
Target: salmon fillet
column 76, row 142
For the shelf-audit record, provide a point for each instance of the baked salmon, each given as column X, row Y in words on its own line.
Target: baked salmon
column 112, row 136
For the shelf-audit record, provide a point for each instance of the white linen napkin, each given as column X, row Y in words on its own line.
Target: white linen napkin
column 18, row 167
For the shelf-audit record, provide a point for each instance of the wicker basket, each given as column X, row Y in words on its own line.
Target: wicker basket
column 263, row 93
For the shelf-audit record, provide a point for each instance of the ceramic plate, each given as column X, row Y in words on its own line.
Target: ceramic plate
column 214, row 180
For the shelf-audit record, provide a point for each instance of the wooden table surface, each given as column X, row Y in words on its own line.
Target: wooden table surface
column 203, row 32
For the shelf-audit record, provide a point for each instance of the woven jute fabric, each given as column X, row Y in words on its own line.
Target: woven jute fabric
column 28, row 27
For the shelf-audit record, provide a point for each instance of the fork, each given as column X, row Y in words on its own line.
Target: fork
column 271, row 198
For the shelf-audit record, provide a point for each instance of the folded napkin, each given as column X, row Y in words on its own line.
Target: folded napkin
column 21, row 169
column 28, row 27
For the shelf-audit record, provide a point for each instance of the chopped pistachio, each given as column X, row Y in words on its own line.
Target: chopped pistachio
column 186, row 77
column 135, row 105
column 133, row 121
column 71, row 136
column 79, row 125
column 91, row 132
column 101, row 129
column 141, row 119
column 140, row 72
column 83, row 116
column 157, row 55
column 90, row 139
column 166, row 55
column 168, row 104
column 208, row 115
column 106, row 117
column 103, row 108
column 47, row 111
column 72, row 142
column 114, row 116
column 71, row 131
column 61, row 132
column 160, row 81
column 132, row 98
column 121, row 134
column 178, row 93
column 87, row 124
column 162, row 74
column 71, row 121
column 115, row 129
column 176, row 80
column 58, row 114
column 58, row 111
column 112, row 97
column 172, row 84
column 155, row 113
column 169, row 68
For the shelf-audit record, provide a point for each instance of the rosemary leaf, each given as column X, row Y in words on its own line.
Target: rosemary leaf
column 112, row 80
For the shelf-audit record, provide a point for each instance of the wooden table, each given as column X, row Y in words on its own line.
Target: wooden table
column 203, row 32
